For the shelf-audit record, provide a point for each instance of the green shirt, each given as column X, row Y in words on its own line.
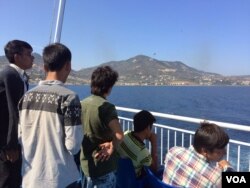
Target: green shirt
column 97, row 112
column 136, row 150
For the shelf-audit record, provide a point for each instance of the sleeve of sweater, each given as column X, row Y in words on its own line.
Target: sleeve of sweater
column 72, row 124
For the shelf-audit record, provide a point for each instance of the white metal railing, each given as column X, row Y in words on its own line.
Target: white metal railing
column 238, row 152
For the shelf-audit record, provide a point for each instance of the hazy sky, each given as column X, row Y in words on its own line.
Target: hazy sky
column 209, row 35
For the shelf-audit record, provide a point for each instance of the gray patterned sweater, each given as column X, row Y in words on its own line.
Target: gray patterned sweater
column 50, row 133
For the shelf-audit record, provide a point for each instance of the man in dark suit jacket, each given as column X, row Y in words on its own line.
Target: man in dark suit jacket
column 13, row 84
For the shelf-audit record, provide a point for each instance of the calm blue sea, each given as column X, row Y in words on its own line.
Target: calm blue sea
column 219, row 103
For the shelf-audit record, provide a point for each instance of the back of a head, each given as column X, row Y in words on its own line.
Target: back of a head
column 15, row 47
column 142, row 120
column 55, row 56
column 103, row 78
column 210, row 136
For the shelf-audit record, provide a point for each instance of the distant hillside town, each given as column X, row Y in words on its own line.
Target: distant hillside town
column 144, row 70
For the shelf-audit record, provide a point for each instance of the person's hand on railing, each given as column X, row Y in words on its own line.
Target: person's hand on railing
column 225, row 165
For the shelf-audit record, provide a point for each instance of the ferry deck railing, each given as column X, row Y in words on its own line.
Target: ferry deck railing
column 238, row 152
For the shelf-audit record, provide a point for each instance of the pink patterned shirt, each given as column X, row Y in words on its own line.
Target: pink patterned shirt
column 187, row 168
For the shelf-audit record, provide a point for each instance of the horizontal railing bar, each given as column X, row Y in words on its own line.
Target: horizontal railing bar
column 186, row 131
column 189, row 119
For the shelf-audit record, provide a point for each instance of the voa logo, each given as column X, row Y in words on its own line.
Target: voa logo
column 236, row 179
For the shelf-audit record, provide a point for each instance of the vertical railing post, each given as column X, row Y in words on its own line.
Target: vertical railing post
column 238, row 159
column 162, row 146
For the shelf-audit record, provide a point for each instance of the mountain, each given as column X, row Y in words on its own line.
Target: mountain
column 143, row 70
